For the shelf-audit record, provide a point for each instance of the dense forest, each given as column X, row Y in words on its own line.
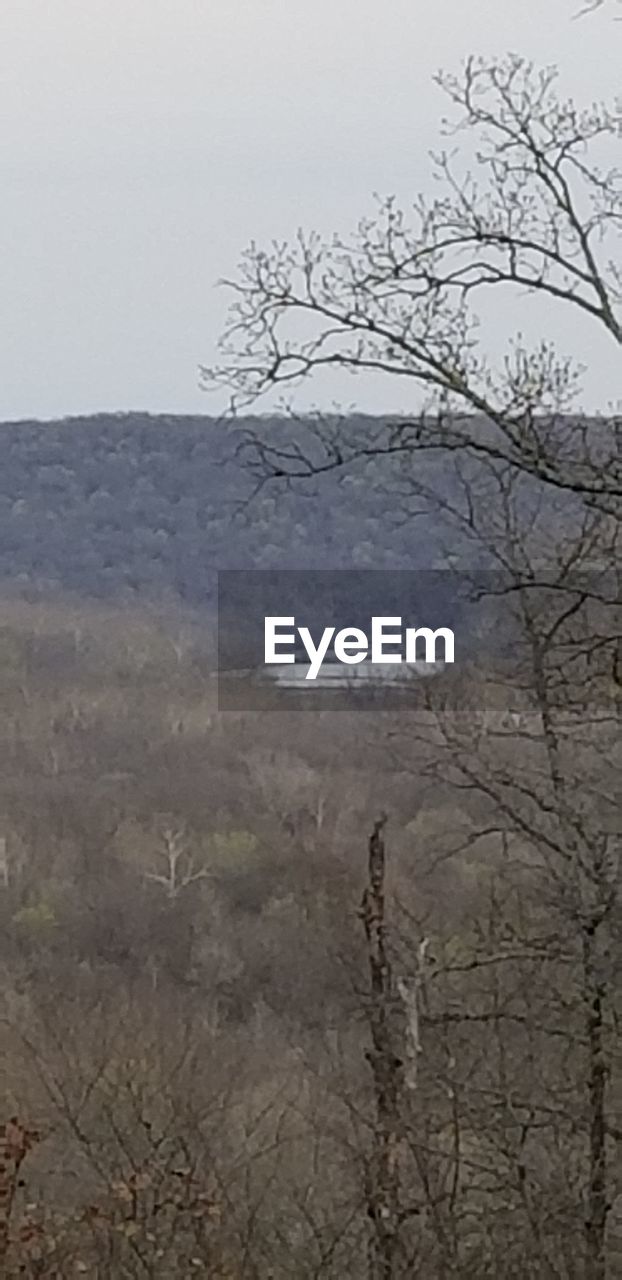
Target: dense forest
column 198, row 1068
column 138, row 505
column 249, row 1025
column 161, row 866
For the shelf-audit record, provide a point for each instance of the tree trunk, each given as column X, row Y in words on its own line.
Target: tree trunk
column 597, row 1204
column 386, row 1066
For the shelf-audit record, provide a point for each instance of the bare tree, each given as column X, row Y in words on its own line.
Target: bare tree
column 403, row 297
column 180, row 870
column 518, row 1067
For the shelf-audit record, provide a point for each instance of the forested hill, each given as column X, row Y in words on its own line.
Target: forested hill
column 134, row 504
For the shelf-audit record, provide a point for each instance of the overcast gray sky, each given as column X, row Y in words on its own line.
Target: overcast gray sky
column 144, row 142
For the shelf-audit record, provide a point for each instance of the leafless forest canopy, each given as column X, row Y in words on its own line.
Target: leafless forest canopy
column 210, row 1064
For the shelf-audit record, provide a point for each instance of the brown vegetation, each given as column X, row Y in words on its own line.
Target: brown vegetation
column 186, row 1013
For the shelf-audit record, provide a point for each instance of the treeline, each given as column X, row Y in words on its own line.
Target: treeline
column 131, row 505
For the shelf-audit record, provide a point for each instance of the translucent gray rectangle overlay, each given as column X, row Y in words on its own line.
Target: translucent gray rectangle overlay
column 553, row 641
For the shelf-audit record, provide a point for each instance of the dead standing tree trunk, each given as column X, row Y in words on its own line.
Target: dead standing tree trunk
column 597, row 1189
column 383, row 1198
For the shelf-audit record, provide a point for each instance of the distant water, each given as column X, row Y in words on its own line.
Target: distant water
column 336, row 675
